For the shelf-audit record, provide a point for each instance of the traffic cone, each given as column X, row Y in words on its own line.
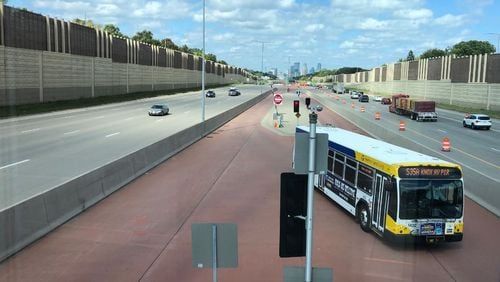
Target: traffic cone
column 352, row 105
column 377, row 116
column 343, row 101
column 362, row 109
column 401, row 126
column 337, row 98
column 446, row 145
column 275, row 124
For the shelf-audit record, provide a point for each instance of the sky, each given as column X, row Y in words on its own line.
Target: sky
column 335, row 33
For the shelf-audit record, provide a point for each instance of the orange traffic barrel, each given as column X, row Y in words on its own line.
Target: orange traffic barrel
column 337, row 98
column 352, row 105
column 377, row 116
column 401, row 126
column 362, row 109
column 446, row 145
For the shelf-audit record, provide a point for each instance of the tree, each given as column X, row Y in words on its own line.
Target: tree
column 410, row 56
column 114, row 31
column 210, row 57
column 146, row 36
column 88, row 23
column 223, row 62
column 168, row 43
column 472, row 47
column 433, row 53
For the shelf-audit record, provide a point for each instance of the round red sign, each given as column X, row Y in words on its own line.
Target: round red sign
column 278, row 99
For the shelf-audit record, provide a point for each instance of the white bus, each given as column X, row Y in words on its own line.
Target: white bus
column 399, row 194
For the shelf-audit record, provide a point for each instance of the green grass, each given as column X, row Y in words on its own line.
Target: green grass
column 31, row 109
column 493, row 114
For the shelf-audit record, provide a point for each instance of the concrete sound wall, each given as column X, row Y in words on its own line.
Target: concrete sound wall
column 33, row 76
column 475, row 95
column 29, row 220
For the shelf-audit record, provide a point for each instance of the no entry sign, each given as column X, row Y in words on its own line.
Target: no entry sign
column 278, row 99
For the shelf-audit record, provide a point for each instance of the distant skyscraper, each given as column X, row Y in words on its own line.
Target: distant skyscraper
column 318, row 68
column 274, row 71
column 296, row 69
column 312, row 70
column 304, row 69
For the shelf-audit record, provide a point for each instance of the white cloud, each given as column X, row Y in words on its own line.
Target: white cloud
column 347, row 44
column 413, row 13
column 373, row 24
column 223, row 36
column 314, row 27
column 450, row 20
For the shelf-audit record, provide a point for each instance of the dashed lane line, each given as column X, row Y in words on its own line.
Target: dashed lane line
column 13, row 164
column 112, row 134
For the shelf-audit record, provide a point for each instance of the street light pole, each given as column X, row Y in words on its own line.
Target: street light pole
column 262, row 68
column 203, row 70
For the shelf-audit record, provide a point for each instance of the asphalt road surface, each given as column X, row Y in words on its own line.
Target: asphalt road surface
column 40, row 152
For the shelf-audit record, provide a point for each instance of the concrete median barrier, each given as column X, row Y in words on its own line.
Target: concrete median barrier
column 31, row 219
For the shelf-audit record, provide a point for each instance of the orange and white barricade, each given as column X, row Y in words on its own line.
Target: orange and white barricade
column 446, row 145
column 377, row 116
column 402, row 126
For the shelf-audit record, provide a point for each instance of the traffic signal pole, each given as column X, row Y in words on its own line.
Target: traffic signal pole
column 313, row 119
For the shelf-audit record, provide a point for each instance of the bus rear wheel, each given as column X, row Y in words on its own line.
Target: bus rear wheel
column 364, row 218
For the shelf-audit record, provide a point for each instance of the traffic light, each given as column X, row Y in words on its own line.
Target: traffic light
column 308, row 102
column 296, row 106
column 293, row 209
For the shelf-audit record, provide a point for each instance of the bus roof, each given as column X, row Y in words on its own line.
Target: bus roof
column 373, row 151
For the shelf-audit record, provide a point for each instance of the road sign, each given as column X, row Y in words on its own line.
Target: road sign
column 278, row 99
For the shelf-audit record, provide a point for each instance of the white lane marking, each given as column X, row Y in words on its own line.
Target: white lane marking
column 71, row 132
column 187, row 112
column 31, row 130
column 99, row 117
column 496, row 150
column 158, row 120
column 9, row 165
column 127, row 119
column 444, row 131
column 112, row 134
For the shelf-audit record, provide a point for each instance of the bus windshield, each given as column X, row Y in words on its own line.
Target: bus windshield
column 430, row 199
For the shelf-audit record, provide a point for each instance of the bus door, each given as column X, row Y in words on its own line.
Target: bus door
column 379, row 203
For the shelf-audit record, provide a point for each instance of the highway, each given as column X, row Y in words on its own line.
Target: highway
column 477, row 151
column 40, row 152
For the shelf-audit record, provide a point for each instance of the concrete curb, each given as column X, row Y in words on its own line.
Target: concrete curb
column 27, row 221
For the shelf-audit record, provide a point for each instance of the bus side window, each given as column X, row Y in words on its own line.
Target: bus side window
column 338, row 169
column 330, row 161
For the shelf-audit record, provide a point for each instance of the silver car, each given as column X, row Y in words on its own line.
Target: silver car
column 158, row 110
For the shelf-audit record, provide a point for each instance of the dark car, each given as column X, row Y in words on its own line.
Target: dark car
column 210, row 94
column 363, row 98
column 234, row 92
column 158, row 110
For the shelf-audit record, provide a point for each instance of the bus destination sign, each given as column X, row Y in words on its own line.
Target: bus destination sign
column 429, row 172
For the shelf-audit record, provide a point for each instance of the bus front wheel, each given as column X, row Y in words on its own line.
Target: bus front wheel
column 364, row 218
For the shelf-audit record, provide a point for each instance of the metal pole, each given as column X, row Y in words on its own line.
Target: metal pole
column 203, row 70
column 262, row 68
column 214, row 251
column 313, row 119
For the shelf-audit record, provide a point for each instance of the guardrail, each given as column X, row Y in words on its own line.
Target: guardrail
column 31, row 219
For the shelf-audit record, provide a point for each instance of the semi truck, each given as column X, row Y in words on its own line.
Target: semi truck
column 417, row 110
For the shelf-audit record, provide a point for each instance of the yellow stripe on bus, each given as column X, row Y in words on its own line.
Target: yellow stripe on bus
column 389, row 169
column 392, row 226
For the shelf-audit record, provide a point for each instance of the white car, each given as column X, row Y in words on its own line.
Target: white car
column 354, row 95
column 477, row 121
column 377, row 98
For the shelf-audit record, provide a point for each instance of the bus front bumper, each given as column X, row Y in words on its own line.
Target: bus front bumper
column 430, row 239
